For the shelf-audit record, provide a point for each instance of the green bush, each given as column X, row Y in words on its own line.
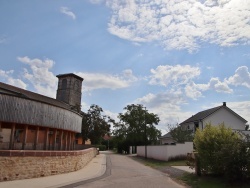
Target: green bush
column 222, row 152
column 101, row 147
column 108, row 143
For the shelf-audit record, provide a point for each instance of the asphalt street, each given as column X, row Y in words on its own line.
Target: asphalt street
column 124, row 172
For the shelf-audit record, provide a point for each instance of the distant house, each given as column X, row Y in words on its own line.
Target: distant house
column 167, row 139
column 215, row 116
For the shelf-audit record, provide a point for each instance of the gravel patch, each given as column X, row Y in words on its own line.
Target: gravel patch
column 173, row 172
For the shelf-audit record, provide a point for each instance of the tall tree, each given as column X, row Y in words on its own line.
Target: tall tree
column 180, row 135
column 136, row 126
column 95, row 125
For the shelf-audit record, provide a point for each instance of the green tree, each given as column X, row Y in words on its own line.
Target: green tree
column 222, row 151
column 180, row 135
column 95, row 125
column 136, row 127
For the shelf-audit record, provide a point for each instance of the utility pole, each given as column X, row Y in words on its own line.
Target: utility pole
column 145, row 131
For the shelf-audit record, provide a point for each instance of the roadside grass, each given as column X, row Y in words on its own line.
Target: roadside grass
column 154, row 163
column 202, row 182
column 211, row 182
column 191, row 180
column 157, row 163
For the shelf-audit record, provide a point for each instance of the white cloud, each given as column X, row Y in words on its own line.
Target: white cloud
column 178, row 74
column 241, row 77
column 178, row 24
column 112, row 115
column 66, row 11
column 193, row 91
column 94, row 81
column 167, row 106
column 219, row 86
column 7, row 76
column 242, row 108
column 3, row 39
column 182, row 76
column 209, row 68
column 39, row 74
column 97, row 1
column 128, row 75
column 17, row 82
column 167, row 99
column 45, row 82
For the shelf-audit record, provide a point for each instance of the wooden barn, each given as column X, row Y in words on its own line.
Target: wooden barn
column 30, row 121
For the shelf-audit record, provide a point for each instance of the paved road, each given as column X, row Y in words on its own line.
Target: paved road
column 123, row 172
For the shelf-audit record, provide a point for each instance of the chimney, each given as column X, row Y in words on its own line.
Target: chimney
column 224, row 104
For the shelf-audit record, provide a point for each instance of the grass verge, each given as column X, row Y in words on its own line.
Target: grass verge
column 210, row 182
column 157, row 163
column 191, row 180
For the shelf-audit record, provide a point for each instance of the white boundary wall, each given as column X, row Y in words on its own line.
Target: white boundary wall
column 164, row 152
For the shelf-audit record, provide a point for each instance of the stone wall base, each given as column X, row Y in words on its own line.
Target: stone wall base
column 16, row 165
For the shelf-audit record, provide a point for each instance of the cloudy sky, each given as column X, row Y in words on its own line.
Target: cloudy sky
column 175, row 57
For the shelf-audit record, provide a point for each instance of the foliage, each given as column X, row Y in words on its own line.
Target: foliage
column 189, row 178
column 203, row 182
column 191, row 160
column 108, row 143
column 94, row 124
column 180, row 135
column 136, row 127
column 222, row 151
column 101, row 147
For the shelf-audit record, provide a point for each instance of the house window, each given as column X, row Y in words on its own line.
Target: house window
column 188, row 127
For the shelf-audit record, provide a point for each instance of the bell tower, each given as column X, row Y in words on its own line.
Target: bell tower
column 70, row 90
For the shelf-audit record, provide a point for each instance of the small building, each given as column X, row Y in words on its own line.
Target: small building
column 215, row 116
column 30, row 121
column 167, row 139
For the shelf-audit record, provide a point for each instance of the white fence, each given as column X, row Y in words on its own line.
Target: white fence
column 164, row 152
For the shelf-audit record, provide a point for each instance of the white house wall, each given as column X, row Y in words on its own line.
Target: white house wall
column 191, row 126
column 225, row 116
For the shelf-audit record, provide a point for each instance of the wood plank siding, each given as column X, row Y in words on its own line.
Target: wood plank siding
column 31, row 112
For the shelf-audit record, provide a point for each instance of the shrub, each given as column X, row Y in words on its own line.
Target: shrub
column 177, row 158
column 101, row 147
column 221, row 151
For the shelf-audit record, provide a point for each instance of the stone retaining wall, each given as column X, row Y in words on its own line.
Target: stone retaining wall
column 21, row 164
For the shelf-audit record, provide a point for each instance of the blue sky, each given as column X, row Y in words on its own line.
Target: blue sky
column 175, row 57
